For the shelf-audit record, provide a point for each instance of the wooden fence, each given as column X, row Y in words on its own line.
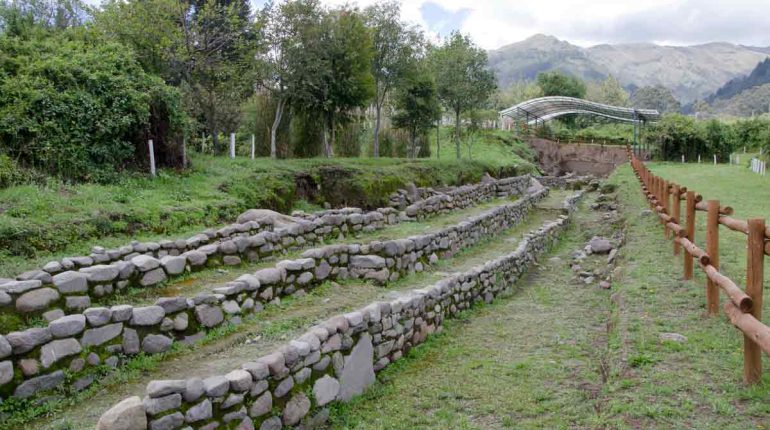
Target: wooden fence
column 743, row 307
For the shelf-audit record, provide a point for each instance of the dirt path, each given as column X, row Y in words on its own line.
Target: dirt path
column 560, row 354
column 260, row 335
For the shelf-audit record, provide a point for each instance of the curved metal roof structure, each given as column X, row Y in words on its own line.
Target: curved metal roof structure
column 547, row 108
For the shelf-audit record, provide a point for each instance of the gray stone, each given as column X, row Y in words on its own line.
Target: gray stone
column 325, row 390
column 111, row 362
column 29, row 366
column 53, row 315
column 269, row 276
column 259, row 388
column 6, row 372
column 169, row 422
column 201, row 411
column 131, row 344
column 71, row 282
column 272, row 423
column 20, row 287
column 101, row 335
column 53, row 351
column 27, row 340
column 93, row 359
column 181, row 322
column 156, row 343
column 97, row 316
column 163, row 388
column 240, row 380
column 145, row 263
column 147, row 315
column 193, row 389
column 262, row 405
column 156, row 405
column 77, row 365
column 216, row 386
column 122, row 313
column 67, row 326
column 322, row 271
column 232, row 400
column 358, row 370
column 209, row 316
column 5, row 298
column 234, row 416
column 173, row 265
column 196, row 258
column 77, row 303
column 5, row 347
column 673, row 337
column 301, row 376
column 367, row 261
column 102, row 273
column 37, row 300
column 258, row 370
column 83, row 383
column 231, row 307
column 153, row 277
column 126, row 415
column 42, row 383
column 600, row 245
column 284, row 387
column 172, row 304
column 296, row 409
column 53, row 267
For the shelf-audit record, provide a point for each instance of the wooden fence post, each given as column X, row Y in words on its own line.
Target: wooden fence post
column 712, row 249
column 666, row 206
column 690, row 230
column 752, row 353
column 676, row 212
column 151, row 149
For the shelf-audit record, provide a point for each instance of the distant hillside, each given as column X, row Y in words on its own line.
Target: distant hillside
column 751, row 101
column 691, row 72
column 759, row 76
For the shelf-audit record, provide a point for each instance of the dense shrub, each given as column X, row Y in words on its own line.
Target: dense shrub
column 82, row 108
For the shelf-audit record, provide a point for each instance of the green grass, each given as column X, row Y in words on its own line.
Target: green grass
column 557, row 354
column 496, row 147
column 38, row 224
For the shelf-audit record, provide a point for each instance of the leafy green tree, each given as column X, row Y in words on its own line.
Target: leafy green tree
column 292, row 31
column 677, row 135
column 719, row 137
column 345, row 81
column 516, row 93
column 608, row 91
column 21, row 15
column 557, row 83
column 417, row 106
column 656, row 97
column 82, row 108
column 463, row 79
column 396, row 47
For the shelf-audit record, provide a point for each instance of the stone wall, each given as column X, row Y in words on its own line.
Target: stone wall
column 71, row 285
column 334, row 361
column 73, row 348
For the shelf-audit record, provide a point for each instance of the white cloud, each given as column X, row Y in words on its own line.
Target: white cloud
column 494, row 23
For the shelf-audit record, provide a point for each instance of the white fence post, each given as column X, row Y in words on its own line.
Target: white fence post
column 715, row 159
column 232, row 145
column 252, row 146
column 698, row 158
column 682, row 158
column 152, row 157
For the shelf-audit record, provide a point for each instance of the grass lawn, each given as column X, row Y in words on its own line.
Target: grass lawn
column 40, row 223
column 557, row 354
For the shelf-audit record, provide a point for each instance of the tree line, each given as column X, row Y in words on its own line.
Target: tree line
column 84, row 88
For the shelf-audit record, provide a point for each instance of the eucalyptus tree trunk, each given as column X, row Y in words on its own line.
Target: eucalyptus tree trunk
column 276, row 123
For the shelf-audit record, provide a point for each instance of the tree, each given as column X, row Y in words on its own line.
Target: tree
column 516, row 93
column 46, row 14
column 608, row 91
column 291, row 30
column 657, row 97
column 463, row 79
column 345, row 81
column 417, row 106
column 559, row 84
column 396, row 47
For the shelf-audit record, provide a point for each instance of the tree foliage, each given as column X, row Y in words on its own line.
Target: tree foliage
column 559, row 84
column 417, row 106
column 462, row 78
column 657, row 97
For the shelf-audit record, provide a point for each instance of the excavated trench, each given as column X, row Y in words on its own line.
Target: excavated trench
column 561, row 158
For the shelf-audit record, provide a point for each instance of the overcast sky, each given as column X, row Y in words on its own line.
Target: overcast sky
column 494, row 23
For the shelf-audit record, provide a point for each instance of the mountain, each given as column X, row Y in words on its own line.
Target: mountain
column 690, row 72
column 759, row 76
column 749, row 102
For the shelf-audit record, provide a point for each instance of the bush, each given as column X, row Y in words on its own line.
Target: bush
column 82, row 108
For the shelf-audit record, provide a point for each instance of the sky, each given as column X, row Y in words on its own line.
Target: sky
column 495, row 23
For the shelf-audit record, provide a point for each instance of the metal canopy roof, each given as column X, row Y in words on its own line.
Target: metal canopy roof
column 547, row 108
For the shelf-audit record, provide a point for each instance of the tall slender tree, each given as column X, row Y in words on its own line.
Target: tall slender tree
column 396, row 46
column 463, row 79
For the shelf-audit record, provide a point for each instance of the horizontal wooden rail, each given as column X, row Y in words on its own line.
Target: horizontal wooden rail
column 750, row 326
column 737, row 296
column 723, row 210
column 699, row 254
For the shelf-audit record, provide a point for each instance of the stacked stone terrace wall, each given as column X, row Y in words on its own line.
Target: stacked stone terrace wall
column 72, row 349
column 334, row 361
column 73, row 284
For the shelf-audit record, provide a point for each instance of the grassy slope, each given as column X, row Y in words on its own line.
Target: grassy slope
column 39, row 223
column 560, row 355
